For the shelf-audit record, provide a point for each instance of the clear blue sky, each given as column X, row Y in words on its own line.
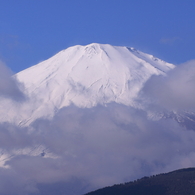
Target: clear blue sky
column 34, row 30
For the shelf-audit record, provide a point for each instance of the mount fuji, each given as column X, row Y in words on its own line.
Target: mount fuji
column 84, row 76
column 88, row 119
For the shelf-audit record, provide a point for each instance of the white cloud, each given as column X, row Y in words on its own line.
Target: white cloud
column 90, row 148
column 176, row 91
column 97, row 147
column 9, row 87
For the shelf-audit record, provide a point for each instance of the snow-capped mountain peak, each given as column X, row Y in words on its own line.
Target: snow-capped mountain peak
column 86, row 76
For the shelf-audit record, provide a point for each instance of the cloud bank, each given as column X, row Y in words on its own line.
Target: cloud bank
column 84, row 149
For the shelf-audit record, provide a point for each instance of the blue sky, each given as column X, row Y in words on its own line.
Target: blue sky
column 34, row 30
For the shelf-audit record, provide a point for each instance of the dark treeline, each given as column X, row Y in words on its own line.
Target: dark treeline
column 180, row 182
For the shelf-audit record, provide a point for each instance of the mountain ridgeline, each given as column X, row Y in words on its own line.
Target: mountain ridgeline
column 87, row 76
column 84, row 76
column 179, row 182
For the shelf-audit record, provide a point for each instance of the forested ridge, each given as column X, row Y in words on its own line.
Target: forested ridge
column 179, row 182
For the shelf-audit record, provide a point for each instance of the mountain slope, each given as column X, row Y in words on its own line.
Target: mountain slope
column 180, row 182
column 86, row 123
column 85, row 76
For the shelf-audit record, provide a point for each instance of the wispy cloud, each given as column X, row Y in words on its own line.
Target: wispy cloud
column 9, row 41
column 169, row 41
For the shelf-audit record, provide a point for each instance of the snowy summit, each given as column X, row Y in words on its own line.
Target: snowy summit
column 85, row 76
